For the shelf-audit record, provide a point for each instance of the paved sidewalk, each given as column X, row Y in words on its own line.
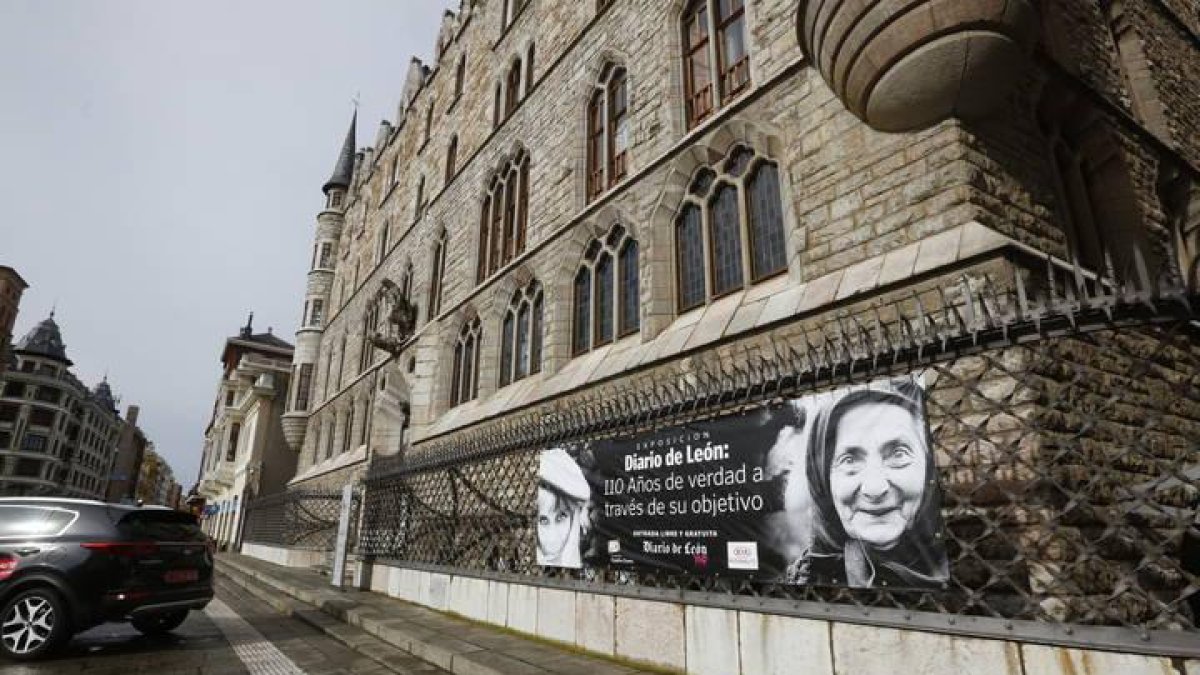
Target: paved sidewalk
column 399, row 629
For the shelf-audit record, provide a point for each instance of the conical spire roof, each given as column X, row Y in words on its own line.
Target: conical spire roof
column 343, row 171
column 44, row 340
column 104, row 396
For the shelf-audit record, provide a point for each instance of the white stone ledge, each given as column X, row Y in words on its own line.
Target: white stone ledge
column 703, row 640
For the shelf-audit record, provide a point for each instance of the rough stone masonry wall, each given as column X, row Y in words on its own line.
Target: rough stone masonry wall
column 850, row 193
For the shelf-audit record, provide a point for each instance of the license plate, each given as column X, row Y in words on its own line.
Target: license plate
column 181, row 576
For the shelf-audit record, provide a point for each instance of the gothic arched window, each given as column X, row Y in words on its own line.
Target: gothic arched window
column 366, row 355
column 464, row 382
column 438, row 265
column 729, row 231
column 451, row 158
column 460, row 74
column 512, row 87
column 608, row 131
column 505, row 214
column 511, row 9
column 385, row 241
column 1098, row 203
column 348, row 431
column 726, row 19
column 606, row 292
column 521, row 335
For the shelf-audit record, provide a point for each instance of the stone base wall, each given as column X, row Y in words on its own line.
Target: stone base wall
column 692, row 639
column 288, row 557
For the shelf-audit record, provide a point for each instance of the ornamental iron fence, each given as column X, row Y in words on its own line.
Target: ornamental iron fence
column 298, row 519
column 1066, row 430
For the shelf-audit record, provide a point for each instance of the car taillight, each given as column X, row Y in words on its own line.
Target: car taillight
column 126, row 549
column 8, row 565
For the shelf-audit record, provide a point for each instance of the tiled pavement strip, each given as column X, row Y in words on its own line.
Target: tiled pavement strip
column 259, row 656
column 397, row 631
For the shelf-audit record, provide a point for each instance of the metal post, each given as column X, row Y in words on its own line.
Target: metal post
column 341, row 546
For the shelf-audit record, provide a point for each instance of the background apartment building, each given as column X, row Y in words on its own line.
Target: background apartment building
column 12, row 286
column 57, row 437
column 245, row 455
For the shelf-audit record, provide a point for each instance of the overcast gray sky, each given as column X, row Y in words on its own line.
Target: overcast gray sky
column 160, row 171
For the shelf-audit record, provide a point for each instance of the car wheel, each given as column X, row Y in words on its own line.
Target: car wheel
column 159, row 623
column 33, row 624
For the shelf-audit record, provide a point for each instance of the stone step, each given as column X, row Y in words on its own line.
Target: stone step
column 456, row 644
column 388, row 656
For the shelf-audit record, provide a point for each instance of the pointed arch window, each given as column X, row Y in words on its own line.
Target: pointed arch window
column 729, row 232
column 406, row 282
column 512, row 87
column 1098, row 203
column 608, row 131
column 364, row 434
column 497, row 106
column 419, row 207
column 529, row 80
column 366, row 350
column 715, row 70
column 606, row 292
column 451, row 159
column 428, row 123
column 521, row 335
column 460, row 74
column 438, row 266
column 385, row 236
column 512, row 9
column 464, row 382
column 504, row 216
column 348, row 431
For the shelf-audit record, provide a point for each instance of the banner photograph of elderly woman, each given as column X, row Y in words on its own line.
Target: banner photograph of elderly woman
column 833, row 489
column 873, row 498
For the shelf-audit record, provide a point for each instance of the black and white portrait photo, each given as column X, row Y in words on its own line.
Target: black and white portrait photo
column 861, row 496
column 563, row 510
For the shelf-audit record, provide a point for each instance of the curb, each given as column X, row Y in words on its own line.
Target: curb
column 373, row 648
column 443, row 650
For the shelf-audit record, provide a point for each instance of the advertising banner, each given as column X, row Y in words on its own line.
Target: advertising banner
column 836, row 489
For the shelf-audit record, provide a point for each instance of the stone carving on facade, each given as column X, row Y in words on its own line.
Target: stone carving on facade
column 397, row 318
column 908, row 66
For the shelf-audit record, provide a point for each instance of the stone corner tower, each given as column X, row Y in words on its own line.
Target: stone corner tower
column 330, row 221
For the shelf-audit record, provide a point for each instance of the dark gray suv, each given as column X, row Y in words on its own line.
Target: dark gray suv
column 67, row 565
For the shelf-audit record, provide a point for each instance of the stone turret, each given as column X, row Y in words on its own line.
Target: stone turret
column 318, row 296
column 903, row 67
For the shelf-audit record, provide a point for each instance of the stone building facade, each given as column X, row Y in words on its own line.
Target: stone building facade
column 57, row 437
column 245, row 454
column 575, row 192
column 12, row 286
column 132, row 445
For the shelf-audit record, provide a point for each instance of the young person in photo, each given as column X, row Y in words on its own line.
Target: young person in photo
column 876, row 507
column 562, row 517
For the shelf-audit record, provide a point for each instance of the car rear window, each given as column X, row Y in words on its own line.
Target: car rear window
column 167, row 526
column 33, row 521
